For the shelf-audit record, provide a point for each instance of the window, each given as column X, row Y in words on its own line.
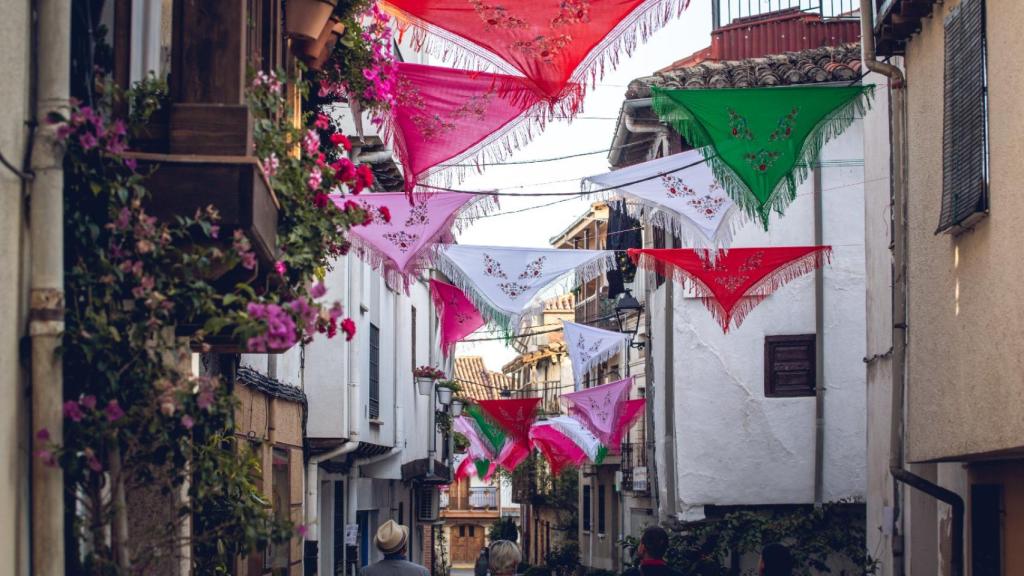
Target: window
column 374, row 409
column 586, row 508
column 413, row 336
column 965, row 119
column 986, row 528
column 281, row 490
column 789, row 369
column 472, row 531
column 600, row 509
column 339, row 527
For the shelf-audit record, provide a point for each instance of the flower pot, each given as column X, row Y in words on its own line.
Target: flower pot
column 424, row 385
column 457, row 408
column 444, row 395
column 306, row 18
column 311, row 49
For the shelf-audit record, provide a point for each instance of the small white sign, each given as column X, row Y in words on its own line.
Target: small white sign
column 351, row 534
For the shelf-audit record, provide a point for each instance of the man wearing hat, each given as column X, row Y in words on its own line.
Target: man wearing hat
column 392, row 540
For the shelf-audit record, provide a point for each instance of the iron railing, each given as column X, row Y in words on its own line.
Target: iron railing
column 597, row 311
column 484, row 497
column 725, row 12
column 634, row 467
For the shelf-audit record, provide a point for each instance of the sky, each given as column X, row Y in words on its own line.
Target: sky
column 592, row 130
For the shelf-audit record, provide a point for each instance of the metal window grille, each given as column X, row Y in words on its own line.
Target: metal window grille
column 586, row 508
column 725, row 12
column 965, row 119
column 374, row 407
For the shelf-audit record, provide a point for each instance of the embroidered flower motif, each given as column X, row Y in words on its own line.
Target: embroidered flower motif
column 512, row 289
column 402, row 240
column 675, row 187
column 533, row 269
column 572, row 12
column 731, row 282
column 586, row 353
column 432, row 128
column 475, row 106
column 707, row 205
column 461, row 317
column 417, row 215
column 761, row 160
column 543, row 47
column 753, row 262
column 408, row 95
column 375, row 216
column 738, row 125
column 496, row 16
column 492, row 268
column 786, row 124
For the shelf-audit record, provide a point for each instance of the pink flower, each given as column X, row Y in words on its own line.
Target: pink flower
column 43, row 435
column 205, row 398
column 280, row 267
column 311, row 142
column 89, row 401
column 322, row 122
column 92, row 461
column 339, row 139
column 131, row 163
column 88, row 141
column 113, row 411
column 270, row 165
column 318, row 290
column 349, row 328
column 364, row 178
column 301, row 530
column 321, row 200
column 315, row 179
column 344, row 170
column 47, row 456
column 187, row 422
column 72, row 411
column 385, row 213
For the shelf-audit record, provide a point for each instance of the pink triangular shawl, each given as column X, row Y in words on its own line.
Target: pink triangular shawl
column 402, row 246
column 458, row 316
column 558, row 448
column 599, row 408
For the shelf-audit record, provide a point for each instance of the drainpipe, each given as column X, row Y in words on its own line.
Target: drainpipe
column 52, row 67
column 819, row 351
column 897, row 123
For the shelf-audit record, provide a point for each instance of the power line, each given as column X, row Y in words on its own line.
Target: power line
column 541, row 160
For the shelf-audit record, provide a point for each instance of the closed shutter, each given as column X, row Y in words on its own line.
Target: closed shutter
column 789, row 369
column 374, row 408
column 586, row 508
column 965, row 119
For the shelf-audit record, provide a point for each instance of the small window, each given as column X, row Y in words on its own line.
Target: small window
column 965, row 119
column 600, row 510
column 462, row 531
column 789, row 369
column 472, row 531
column 586, row 508
column 374, row 408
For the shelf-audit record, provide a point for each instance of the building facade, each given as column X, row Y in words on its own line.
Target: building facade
column 946, row 486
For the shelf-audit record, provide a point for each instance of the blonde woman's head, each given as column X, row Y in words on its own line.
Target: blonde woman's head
column 504, row 557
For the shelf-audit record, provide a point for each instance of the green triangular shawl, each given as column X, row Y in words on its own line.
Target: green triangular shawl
column 482, row 467
column 760, row 141
column 489, row 431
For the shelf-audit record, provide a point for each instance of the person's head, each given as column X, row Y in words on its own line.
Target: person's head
column 391, row 538
column 653, row 543
column 776, row 560
column 504, row 557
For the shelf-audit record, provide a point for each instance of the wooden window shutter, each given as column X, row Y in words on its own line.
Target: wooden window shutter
column 965, row 119
column 789, row 366
column 374, row 407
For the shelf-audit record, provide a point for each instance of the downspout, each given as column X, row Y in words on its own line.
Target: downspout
column 819, row 351
column 46, row 307
column 897, row 123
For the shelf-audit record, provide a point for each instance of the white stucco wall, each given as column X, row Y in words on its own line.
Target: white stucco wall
column 733, row 445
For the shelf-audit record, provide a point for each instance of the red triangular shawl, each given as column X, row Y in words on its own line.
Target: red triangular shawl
column 599, row 408
column 512, row 454
column 554, row 43
column 630, row 414
column 445, row 116
column 458, row 316
column 514, row 416
column 736, row 280
column 558, row 448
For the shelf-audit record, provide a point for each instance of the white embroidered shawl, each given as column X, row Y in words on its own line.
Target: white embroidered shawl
column 589, row 346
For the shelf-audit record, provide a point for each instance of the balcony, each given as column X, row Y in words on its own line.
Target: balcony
column 634, row 468
column 728, row 12
column 896, row 21
column 597, row 311
column 483, row 498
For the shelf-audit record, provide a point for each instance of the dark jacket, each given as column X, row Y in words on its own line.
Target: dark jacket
column 481, row 566
column 394, row 567
column 652, row 570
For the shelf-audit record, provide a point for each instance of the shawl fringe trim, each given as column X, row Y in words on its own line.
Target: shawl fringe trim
column 476, row 207
column 510, row 324
column 832, row 125
column 753, row 296
column 638, row 26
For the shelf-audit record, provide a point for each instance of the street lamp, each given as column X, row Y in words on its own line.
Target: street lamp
column 627, row 314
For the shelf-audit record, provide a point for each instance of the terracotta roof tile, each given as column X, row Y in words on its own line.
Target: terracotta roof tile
column 477, row 381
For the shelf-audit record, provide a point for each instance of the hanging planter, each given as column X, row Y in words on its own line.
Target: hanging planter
column 305, row 19
column 444, row 395
column 312, row 50
column 424, row 386
column 334, row 34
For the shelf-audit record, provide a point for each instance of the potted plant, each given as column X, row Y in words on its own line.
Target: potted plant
column 305, row 19
column 445, row 390
column 458, row 403
column 425, row 376
column 310, row 51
